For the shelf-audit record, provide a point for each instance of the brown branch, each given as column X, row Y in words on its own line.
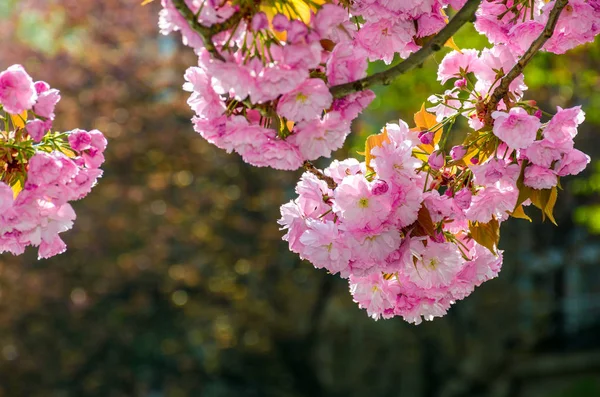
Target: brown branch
column 466, row 14
column 205, row 32
column 308, row 166
column 502, row 90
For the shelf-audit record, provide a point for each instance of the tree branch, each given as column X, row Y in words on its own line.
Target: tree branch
column 308, row 166
column 466, row 14
column 205, row 32
column 502, row 89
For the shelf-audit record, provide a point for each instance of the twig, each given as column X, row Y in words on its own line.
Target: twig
column 502, row 90
column 308, row 166
column 466, row 14
column 205, row 32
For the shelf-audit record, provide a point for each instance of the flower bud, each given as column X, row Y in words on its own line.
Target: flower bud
column 280, row 22
column 436, row 160
column 36, row 129
column 474, row 160
column 462, row 198
column 458, row 152
column 438, row 237
column 380, row 187
column 461, row 83
column 260, row 21
column 538, row 114
column 426, row 137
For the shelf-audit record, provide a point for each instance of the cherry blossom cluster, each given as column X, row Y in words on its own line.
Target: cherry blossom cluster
column 415, row 227
column 40, row 171
column 518, row 23
column 266, row 94
column 404, row 247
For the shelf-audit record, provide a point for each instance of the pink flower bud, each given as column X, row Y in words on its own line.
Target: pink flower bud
column 426, row 137
column 462, row 198
column 474, row 160
column 41, row 86
column 36, row 129
column 296, row 31
column 538, row 114
column 460, row 83
column 458, row 152
column 380, row 187
column 436, row 160
column 280, row 22
column 260, row 21
column 438, row 237
column 80, row 140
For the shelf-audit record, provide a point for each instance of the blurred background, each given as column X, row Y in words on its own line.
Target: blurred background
column 176, row 281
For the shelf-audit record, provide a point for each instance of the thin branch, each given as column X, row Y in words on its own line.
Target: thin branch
column 205, row 32
column 308, row 166
column 502, row 90
column 466, row 14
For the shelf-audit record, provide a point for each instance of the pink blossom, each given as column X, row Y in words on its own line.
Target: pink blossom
column 36, row 129
column 374, row 293
column 572, row 163
column 458, row 152
column 347, row 63
column 46, row 102
column 384, row 38
column 457, row 64
column 492, row 202
column 407, row 204
column 319, row 137
column 373, row 248
column 17, row 92
column 436, row 160
column 313, row 196
column 436, row 266
column 517, row 128
column 259, row 21
column 292, row 220
column 358, row 206
column 332, row 22
column 463, row 198
column 275, row 80
column 338, row 170
column 563, row 126
column 80, row 140
column 262, row 148
column 280, row 22
column 306, row 102
column 544, row 152
column 539, row 177
column 324, row 247
column 204, row 101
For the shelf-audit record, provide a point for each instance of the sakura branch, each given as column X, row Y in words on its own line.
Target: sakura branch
column 466, row 14
column 308, row 166
column 414, row 227
column 207, row 33
column 503, row 88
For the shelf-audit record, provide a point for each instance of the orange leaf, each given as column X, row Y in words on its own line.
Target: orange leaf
column 371, row 142
column 451, row 44
column 18, row 120
column 426, row 121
